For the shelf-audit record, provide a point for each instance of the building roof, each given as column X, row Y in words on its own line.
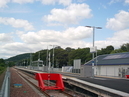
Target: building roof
column 111, row 59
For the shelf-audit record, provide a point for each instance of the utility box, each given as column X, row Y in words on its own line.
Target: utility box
column 86, row 71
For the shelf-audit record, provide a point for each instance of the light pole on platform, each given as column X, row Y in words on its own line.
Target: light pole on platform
column 94, row 48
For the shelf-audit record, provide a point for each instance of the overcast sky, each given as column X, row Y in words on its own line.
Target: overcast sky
column 31, row 25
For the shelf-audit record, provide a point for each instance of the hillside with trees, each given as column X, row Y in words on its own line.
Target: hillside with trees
column 18, row 57
column 65, row 57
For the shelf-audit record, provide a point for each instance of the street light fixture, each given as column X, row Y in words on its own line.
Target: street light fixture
column 93, row 27
column 53, row 55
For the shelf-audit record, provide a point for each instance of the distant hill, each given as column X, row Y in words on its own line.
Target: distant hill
column 19, row 57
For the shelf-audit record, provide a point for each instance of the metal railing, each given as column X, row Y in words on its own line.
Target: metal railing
column 5, row 90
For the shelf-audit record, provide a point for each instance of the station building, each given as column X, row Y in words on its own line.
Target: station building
column 116, row 65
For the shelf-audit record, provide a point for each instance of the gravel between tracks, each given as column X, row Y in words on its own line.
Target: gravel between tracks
column 24, row 91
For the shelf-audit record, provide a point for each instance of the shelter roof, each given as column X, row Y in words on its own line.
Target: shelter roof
column 111, row 59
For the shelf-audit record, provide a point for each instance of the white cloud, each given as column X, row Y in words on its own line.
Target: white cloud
column 23, row 1
column 127, row 1
column 14, row 48
column 105, row 43
column 17, row 23
column 119, row 38
column 64, row 2
column 71, row 37
column 11, row 49
column 5, row 37
column 119, row 22
column 3, row 3
column 19, row 33
column 67, row 36
column 122, row 35
column 40, row 36
column 70, row 15
column 47, row 2
column 81, row 0
column 114, row 1
column 77, row 33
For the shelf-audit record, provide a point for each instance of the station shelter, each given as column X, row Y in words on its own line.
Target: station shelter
column 37, row 65
column 116, row 65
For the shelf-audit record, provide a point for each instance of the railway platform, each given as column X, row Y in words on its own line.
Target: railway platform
column 101, row 86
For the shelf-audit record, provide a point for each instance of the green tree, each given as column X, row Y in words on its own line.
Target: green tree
column 61, row 57
column 68, row 49
column 103, row 51
column 116, row 51
column 2, row 63
column 125, row 47
column 2, row 60
column 10, row 64
column 109, row 49
column 83, row 54
column 106, row 50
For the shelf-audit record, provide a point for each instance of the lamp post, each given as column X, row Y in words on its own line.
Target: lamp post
column 39, row 56
column 24, row 64
column 93, row 27
column 47, row 57
column 31, row 60
column 48, row 63
column 53, row 54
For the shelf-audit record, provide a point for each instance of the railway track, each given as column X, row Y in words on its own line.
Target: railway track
column 48, row 93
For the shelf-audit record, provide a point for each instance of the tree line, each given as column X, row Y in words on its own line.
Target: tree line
column 65, row 57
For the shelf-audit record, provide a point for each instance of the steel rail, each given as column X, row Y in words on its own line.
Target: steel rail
column 46, row 94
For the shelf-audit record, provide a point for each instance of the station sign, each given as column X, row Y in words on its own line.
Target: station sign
column 93, row 49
